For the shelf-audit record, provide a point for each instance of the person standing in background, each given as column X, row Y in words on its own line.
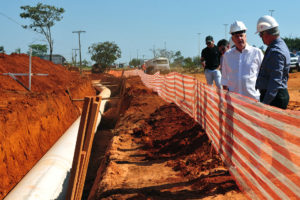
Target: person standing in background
column 223, row 46
column 240, row 65
column 274, row 72
column 210, row 58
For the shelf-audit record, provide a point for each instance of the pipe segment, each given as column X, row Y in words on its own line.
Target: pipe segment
column 49, row 178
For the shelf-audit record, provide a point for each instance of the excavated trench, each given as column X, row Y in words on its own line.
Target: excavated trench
column 153, row 150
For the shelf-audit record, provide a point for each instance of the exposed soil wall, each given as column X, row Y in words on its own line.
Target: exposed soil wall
column 31, row 122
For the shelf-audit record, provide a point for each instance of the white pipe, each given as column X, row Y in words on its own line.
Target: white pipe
column 49, row 178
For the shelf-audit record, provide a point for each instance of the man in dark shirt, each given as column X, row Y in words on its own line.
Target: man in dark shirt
column 210, row 59
column 274, row 71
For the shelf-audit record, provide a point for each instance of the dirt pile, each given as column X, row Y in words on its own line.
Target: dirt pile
column 159, row 152
column 31, row 122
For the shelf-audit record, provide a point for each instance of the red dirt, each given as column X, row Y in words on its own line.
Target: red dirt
column 156, row 151
column 159, row 152
column 31, row 122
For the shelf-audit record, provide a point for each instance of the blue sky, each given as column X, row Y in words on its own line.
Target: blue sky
column 137, row 26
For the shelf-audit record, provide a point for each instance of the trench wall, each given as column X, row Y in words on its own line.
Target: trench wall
column 260, row 144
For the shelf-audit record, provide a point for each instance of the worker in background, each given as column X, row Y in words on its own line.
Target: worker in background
column 210, row 58
column 143, row 67
column 223, row 46
column 240, row 65
column 274, row 72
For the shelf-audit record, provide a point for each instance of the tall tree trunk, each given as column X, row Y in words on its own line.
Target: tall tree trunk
column 50, row 56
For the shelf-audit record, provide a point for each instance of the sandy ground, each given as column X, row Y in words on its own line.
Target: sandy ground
column 154, row 151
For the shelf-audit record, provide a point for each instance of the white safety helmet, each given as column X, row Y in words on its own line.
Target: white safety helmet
column 237, row 26
column 266, row 22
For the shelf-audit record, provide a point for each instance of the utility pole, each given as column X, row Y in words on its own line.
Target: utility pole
column 226, row 30
column 79, row 44
column 75, row 55
column 271, row 11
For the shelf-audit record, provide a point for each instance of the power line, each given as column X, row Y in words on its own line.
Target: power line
column 11, row 19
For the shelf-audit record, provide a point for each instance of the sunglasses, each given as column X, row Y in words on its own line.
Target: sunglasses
column 208, row 43
column 261, row 33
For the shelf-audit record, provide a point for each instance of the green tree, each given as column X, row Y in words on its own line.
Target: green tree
column 17, row 51
column 42, row 17
column 197, row 61
column 104, row 54
column 188, row 63
column 177, row 59
column 2, row 49
column 38, row 49
column 135, row 62
column 292, row 43
column 85, row 63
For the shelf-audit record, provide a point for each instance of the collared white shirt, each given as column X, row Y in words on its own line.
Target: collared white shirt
column 240, row 70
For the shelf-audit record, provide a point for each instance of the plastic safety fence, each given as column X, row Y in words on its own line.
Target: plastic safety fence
column 260, row 144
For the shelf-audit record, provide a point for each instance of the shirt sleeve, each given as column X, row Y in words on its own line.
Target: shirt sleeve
column 276, row 65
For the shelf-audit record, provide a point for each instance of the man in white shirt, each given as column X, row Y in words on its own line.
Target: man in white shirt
column 240, row 65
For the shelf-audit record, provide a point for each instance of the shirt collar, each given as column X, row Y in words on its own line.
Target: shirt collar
column 247, row 48
column 275, row 41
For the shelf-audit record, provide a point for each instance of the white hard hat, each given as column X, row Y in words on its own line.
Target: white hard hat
column 237, row 26
column 266, row 22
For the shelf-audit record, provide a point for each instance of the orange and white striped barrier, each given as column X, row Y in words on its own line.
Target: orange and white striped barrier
column 260, row 144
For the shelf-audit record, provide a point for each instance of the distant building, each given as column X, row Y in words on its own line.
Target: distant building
column 56, row 58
